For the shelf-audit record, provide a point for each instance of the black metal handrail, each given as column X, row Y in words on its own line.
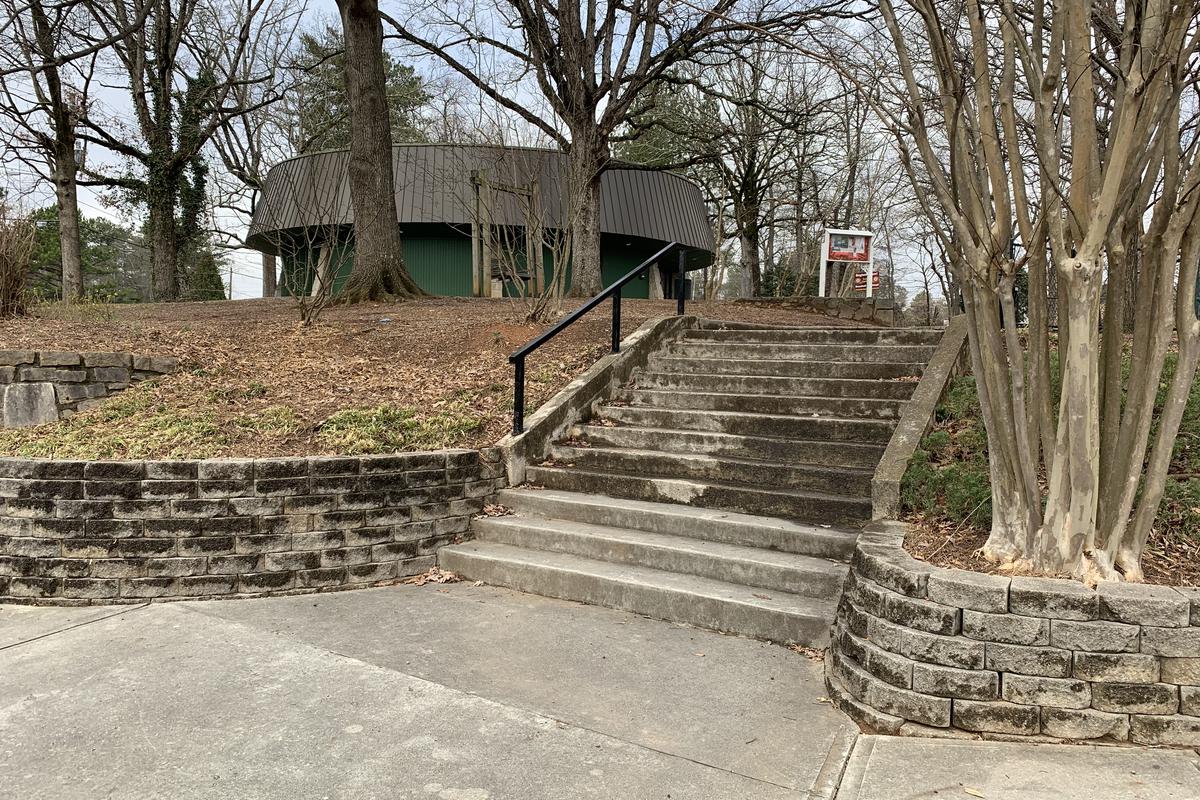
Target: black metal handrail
column 517, row 359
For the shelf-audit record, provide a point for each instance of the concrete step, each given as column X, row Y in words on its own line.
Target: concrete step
column 874, row 431
column 691, row 348
column 688, row 599
column 763, row 384
column 844, row 407
column 873, row 336
column 681, row 520
column 784, row 368
column 749, row 566
column 786, row 451
column 791, row 504
column 696, row 466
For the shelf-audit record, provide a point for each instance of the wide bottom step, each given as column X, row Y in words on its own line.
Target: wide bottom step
column 689, row 599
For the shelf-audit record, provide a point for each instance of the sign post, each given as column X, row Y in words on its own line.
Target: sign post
column 848, row 246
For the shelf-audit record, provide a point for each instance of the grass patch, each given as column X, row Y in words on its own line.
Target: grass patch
column 387, row 428
column 130, row 425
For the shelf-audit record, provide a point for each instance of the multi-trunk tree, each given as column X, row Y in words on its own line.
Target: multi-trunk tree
column 1061, row 138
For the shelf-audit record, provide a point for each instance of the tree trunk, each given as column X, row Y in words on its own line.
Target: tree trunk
column 379, row 270
column 164, row 248
column 270, row 275
column 585, row 167
column 751, row 261
column 70, row 240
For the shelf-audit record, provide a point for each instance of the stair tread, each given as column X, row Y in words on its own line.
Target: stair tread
column 765, row 394
column 705, row 458
column 681, row 583
column 588, row 426
column 718, row 550
column 708, row 412
column 741, row 487
column 724, row 375
column 648, row 507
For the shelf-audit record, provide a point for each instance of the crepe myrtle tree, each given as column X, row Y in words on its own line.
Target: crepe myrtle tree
column 1062, row 138
column 590, row 62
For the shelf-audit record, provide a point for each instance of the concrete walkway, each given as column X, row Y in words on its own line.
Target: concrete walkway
column 468, row 693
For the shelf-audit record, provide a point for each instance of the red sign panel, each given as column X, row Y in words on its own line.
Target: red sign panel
column 860, row 281
column 849, row 247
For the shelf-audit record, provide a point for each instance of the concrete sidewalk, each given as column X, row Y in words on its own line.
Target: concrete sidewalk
column 467, row 693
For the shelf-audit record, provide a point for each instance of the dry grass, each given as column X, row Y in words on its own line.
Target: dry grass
column 366, row 378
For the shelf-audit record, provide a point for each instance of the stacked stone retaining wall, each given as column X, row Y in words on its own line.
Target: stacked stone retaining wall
column 38, row 386
column 79, row 532
column 926, row 650
column 878, row 310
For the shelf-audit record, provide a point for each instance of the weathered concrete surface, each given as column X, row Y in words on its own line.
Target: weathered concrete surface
column 25, row 623
column 27, row 404
column 887, row 768
column 740, row 705
column 438, row 692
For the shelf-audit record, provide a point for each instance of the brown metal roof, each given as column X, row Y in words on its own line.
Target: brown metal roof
column 433, row 184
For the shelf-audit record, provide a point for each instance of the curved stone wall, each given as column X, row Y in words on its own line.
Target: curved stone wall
column 79, row 532
column 926, row 650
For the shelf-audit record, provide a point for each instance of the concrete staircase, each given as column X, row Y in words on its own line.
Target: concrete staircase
column 721, row 489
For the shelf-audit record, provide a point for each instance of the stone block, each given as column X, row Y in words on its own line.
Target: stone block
column 345, row 556
column 281, row 487
column 160, row 364
column 35, row 587
column 321, row 577
column 1052, row 598
column 1189, row 700
column 283, row 562
column 360, row 501
column 8, row 374
column 318, row 540
column 263, row 543
column 310, row 504
column 1084, row 723
column 1135, row 698
column 62, row 568
column 370, row 573
column 148, row 587
column 206, row 585
column 225, row 470
column 28, row 404
column 969, row 590
column 207, row 546
column 952, row 682
column 1192, row 593
column 171, row 470
column 12, row 358
column 111, row 375
column 395, row 551
column 233, row 565
column 50, row 375
column 265, row 582
column 1172, row 731
column 89, row 548
column 888, row 667
column 147, row 548
column 225, row 489
column 1173, row 642
column 1118, row 667
column 337, row 485
column 996, row 717
column 55, row 528
column 59, row 470
column 174, row 567
column 59, row 358
column 115, row 470
column 920, row 614
column 1095, row 637
column 1034, row 690
column 116, row 568
column 272, row 468
column 933, row 711
column 114, row 528
column 200, row 509
column 1181, row 670
column 91, row 588
column 1050, row 662
column 107, row 360
column 170, row 489
column 68, row 393
column 113, row 490
column 30, row 547
column 53, row 490
column 891, row 567
column 379, row 535
column 1144, row 604
column 335, row 465
column 339, row 520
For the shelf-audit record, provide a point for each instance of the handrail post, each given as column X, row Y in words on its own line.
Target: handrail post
column 616, row 322
column 680, row 272
column 518, row 395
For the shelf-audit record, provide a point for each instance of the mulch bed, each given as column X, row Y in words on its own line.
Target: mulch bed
column 1168, row 560
column 242, row 358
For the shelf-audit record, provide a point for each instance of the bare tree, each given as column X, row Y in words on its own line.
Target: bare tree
column 48, row 53
column 1070, row 129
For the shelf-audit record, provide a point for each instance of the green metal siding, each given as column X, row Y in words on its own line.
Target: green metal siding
column 439, row 259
